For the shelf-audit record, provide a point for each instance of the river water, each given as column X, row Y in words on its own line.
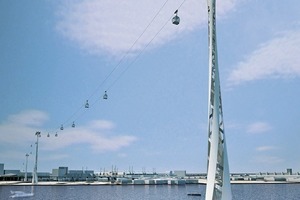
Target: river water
column 153, row 192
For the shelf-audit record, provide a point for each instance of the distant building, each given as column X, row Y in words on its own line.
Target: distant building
column 63, row 174
column 180, row 173
column 80, row 175
column 1, row 169
column 12, row 171
column 9, row 175
column 60, row 173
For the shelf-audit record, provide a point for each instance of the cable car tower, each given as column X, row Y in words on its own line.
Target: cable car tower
column 35, row 175
column 218, row 178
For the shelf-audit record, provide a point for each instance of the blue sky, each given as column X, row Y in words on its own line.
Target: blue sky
column 55, row 55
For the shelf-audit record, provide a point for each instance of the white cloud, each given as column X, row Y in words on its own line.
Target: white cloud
column 277, row 58
column 92, row 136
column 269, row 160
column 53, row 157
column 18, row 131
column 265, row 148
column 102, row 124
column 12, row 154
column 113, row 26
column 258, row 127
column 20, row 128
column 29, row 117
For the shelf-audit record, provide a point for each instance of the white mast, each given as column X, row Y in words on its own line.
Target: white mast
column 35, row 176
column 25, row 178
column 218, row 177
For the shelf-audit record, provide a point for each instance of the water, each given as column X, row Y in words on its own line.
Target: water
column 153, row 192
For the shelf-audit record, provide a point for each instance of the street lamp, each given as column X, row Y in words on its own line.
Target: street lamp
column 35, row 177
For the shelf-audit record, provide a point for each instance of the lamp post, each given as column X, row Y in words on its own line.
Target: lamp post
column 25, row 178
column 35, row 177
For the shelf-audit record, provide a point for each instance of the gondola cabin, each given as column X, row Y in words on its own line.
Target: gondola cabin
column 87, row 104
column 175, row 20
column 105, row 95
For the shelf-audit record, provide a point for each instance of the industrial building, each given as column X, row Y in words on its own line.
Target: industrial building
column 60, row 174
column 63, row 174
column 17, row 175
column 176, row 177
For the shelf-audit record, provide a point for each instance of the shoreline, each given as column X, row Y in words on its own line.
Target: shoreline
column 97, row 183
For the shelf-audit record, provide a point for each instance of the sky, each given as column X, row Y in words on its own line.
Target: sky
column 56, row 55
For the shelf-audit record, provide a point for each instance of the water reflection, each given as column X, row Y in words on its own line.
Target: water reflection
column 154, row 192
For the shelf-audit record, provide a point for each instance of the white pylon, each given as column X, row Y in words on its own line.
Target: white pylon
column 218, row 178
column 26, row 162
column 35, row 176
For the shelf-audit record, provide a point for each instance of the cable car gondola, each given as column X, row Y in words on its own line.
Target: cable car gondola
column 105, row 95
column 61, row 127
column 87, row 104
column 176, row 19
column 73, row 125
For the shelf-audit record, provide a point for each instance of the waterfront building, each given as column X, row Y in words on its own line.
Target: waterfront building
column 180, row 173
column 59, row 174
column 64, row 174
column 1, row 168
column 17, row 175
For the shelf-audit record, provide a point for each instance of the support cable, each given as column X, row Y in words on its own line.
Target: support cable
column 142, row 51
column 75, row 115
